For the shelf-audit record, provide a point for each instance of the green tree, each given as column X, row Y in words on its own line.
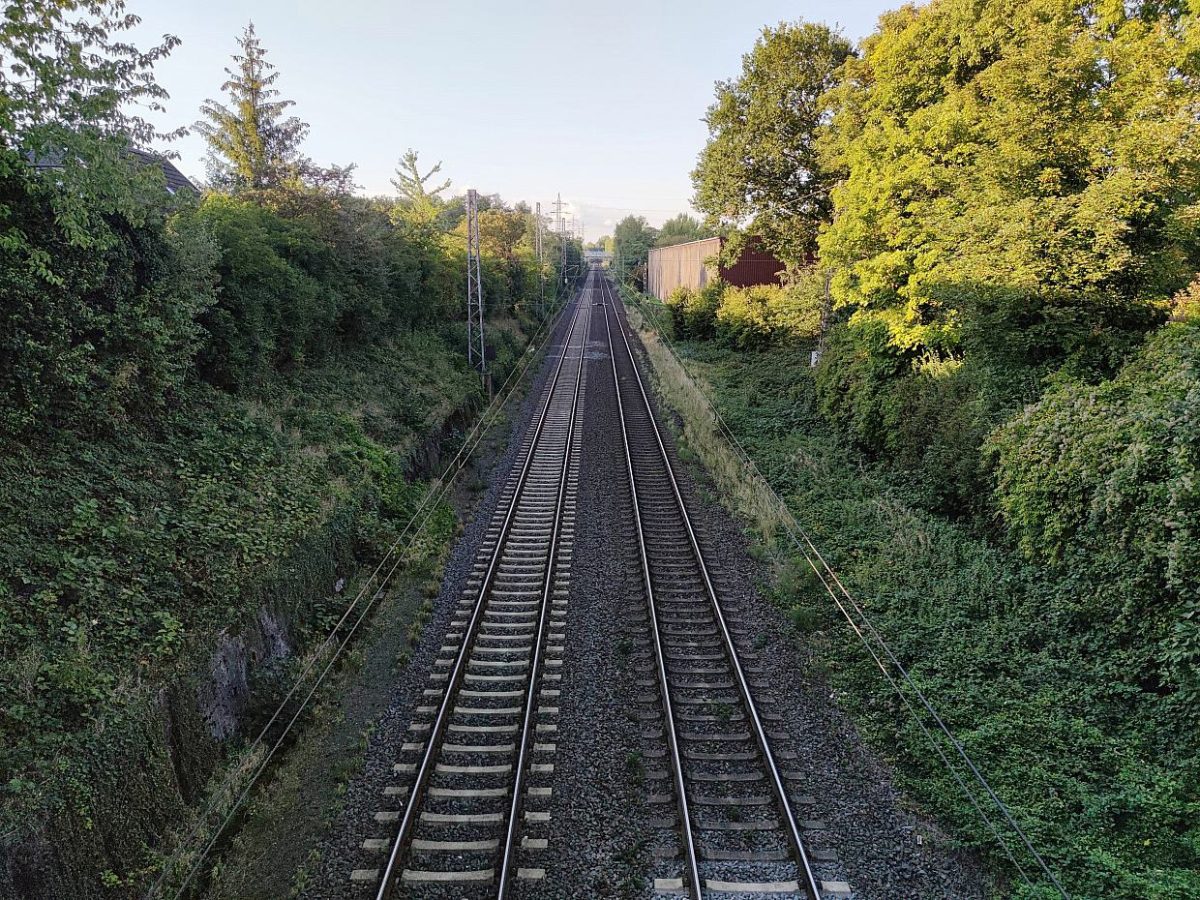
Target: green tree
column 251, row 143
column 681, row 229
column 1035, row 160
column 1020, row 199
column 419, row 200
column 632, row 239
column 71, row 87
column 760, row 167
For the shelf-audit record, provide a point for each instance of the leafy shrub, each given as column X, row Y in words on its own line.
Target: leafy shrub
column 1107, row 478
column 856, row 381
column 762, row 315
column 694, row 313
column 744, row 318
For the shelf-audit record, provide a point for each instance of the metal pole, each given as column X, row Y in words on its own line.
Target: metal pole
column 475, row 343
column 540, row 250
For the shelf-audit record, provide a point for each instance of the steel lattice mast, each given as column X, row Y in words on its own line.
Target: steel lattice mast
column 475, row 345
column 539, row 249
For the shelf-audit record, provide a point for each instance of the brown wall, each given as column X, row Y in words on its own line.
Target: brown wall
column 683, row 265
column 754, row 266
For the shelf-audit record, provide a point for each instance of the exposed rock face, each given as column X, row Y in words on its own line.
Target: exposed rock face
column 223, row 697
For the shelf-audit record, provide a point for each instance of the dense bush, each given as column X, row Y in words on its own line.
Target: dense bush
column 751, row 317
column 1107, row 479
column 767, row 314
column 694, row 313
column 111, row 329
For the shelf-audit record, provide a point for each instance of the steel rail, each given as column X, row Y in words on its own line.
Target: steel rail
column 392, row 871
column 685, row 820
column 507, row 851
column 809, row 881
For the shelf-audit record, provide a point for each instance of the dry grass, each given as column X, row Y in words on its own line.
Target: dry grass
column 742, row 490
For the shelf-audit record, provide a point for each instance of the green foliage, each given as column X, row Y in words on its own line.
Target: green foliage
column 680, row 230
column 419, row 201
column 115, row 336
column 125, row 552
column 1001, row 222
column 1003, row 146
column 753, row 317
column 761, row 315
column 251, row 144
column 77, row 137
column 271, row 313
column 632, row 240
column 1105, row 479
column 760, row 167
column 695, row 312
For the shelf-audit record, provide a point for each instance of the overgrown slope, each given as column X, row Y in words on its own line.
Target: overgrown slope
column 1026, row 662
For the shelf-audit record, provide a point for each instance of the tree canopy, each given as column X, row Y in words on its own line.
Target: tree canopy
column 632, row 239
column 681, row 229
column 1015, row 159
column 252, row 143
column 760, row 168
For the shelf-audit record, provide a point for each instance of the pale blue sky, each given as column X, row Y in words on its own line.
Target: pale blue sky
column 524, row 98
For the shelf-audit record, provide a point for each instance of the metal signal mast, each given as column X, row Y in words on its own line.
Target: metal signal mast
column 540, row 251
column 475, row 351
column 562, row 239
column 561, row 227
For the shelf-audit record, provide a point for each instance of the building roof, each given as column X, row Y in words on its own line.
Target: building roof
column 176, row 180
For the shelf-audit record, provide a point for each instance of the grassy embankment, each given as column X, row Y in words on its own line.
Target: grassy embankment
column 228, row 525
column 1102, row 778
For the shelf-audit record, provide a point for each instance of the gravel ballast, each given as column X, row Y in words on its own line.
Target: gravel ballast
column 605, row 836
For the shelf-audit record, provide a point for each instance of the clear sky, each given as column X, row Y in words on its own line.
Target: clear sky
column 525, row 98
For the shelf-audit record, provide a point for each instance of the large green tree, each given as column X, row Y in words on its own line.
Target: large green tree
column 252, row 144
column 681, row 229
column 1022, row 169
column 632, row 239
column 1019, row 200
column 760, row 167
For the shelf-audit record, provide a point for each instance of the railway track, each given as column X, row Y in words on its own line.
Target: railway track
column 728, row 801
column 481, row 748
column 475, row 774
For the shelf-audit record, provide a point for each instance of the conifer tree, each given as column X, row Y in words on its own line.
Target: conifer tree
column 251, row 143
column 419, row 199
